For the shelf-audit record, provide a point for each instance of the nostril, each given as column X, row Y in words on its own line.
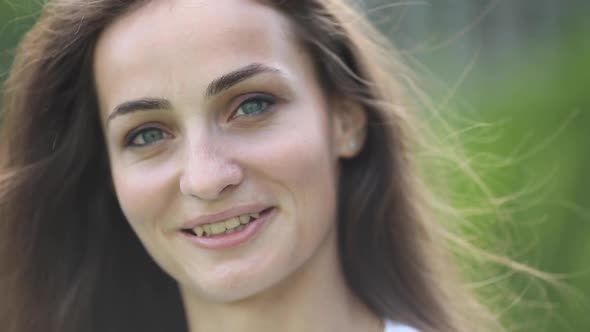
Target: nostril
column 208, row 184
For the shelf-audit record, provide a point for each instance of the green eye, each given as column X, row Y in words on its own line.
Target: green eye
column 253, row 106
column 147, row 136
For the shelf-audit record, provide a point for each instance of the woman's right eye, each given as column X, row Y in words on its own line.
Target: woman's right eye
column 146, row 137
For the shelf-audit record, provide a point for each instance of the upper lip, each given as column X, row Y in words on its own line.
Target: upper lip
column 223, row 215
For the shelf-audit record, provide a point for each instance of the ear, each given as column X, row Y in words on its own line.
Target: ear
column 349, row 128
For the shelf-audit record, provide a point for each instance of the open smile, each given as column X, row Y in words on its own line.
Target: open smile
column 229, row 232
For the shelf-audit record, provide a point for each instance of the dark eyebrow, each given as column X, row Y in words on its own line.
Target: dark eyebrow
column 215, row 87
column 143, row 104
column 230, row 79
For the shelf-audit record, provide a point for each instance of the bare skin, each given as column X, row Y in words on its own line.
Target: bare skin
column 271, row 139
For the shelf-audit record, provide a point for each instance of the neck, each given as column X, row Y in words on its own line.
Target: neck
column 314, row 298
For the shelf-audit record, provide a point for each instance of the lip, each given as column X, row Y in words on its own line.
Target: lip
column 223, row 215
column 234, row 239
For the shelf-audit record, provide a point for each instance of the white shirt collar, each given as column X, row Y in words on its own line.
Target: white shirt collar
column 391, row 326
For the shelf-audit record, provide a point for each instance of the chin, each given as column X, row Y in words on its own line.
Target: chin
column 227, row 290
column 225, row 283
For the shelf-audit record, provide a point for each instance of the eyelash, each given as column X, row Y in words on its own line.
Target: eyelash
column 267, row 100
column 133, row 135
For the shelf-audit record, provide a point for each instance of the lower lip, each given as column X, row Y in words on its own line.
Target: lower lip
column 225, row 241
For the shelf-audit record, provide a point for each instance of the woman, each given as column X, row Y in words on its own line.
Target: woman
column 184, row 165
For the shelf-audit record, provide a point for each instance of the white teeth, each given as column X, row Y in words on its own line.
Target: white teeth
column 227, row 226
column 199, row 230
column 217, row 228
column 232, row 223
column 244, row 219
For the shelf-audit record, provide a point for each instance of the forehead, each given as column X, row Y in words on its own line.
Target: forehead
column 205, row 37
column 173, row 23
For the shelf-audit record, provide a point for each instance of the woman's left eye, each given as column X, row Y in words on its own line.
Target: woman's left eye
column 253, row 106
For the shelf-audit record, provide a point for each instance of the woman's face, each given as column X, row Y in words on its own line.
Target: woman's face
column 211, row 111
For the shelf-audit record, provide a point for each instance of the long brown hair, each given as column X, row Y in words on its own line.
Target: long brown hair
column 69, row 260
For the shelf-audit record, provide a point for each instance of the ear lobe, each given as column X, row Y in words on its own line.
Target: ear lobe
column 350, row 127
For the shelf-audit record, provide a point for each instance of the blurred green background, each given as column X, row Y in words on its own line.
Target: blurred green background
column 512, row 80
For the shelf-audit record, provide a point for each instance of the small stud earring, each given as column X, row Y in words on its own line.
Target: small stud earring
column 352, row 145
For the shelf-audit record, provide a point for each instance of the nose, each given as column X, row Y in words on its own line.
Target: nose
column 209, row 174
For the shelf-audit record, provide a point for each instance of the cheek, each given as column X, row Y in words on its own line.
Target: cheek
column 143, row 192
column 299, row 159
column 296, row 151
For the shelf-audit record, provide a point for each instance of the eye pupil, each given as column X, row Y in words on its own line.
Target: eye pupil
column 151, row 136
column 253, row 107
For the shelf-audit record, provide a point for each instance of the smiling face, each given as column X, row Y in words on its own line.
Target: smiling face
column 210, row 109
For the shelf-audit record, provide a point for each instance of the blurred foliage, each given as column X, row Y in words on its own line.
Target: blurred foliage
column 15, row 18
column 524, row 123
column 524, row 127
column 542, row 108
